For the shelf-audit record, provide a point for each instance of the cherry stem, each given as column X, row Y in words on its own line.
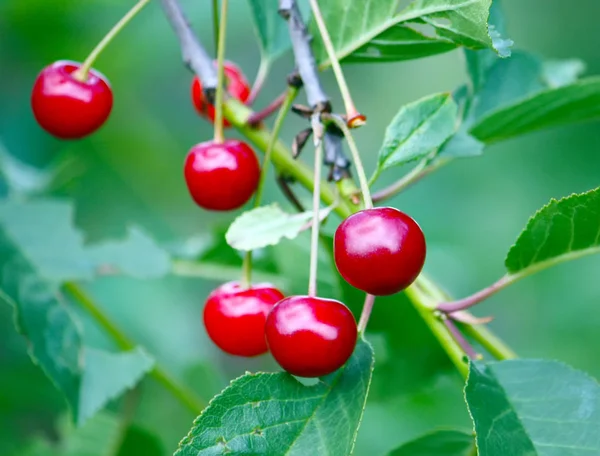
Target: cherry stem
column 215, row 18
column 193, row 53
column 289, row 97
column 219, row 136
column 314, row 239
column 183, row 394
column 258, row 116
column 82, row 72
column 360, row 170
column 366, row 312
column 289, row 193
column 259, row 81
column 351, row 111
column 476, row 298
column 492, row 343
column 460, row 339
column 416, row 174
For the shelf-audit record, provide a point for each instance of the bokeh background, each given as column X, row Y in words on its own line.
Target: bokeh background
column 130, row 173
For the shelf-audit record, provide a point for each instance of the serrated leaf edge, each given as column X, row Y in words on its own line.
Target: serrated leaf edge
column 573, row 255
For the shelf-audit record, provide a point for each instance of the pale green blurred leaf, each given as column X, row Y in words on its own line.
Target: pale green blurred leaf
column 44, row 231
column 137, row 256
column 270, row 27
column 274, row 414
column 266, row 226
column 533, row 407
column 562, row 230
column 438, row 443
column 32, row 263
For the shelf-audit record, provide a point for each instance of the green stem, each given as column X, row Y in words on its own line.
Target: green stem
column 314, row 237
column 366, row 313
column 219, row 95
column 238, row 114
column 360, row 170
column 185, row 396
column 488, row 340
column 82, row 72
column 351, row 111
column 259, row 81
column 423, row 304
column 215, row 19
column 291, row 94
column 425, row 289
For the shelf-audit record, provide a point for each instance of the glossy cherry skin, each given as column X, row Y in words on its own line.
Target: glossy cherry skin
column 66, row 107
column 221, row 177
column 234, row 317
column 237, row 87
column 310, row 337
column 380, row 251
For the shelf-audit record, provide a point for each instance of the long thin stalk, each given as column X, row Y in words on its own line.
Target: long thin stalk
column 183, row 394
column 83, row 70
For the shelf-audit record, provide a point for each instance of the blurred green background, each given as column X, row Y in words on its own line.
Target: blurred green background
column 130, row 173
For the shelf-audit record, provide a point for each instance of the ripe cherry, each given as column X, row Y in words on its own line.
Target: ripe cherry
column 380, row 251
column 234, row 317
column 310, row 337
column 67, row 107
column 221, row 176
column 237, row 86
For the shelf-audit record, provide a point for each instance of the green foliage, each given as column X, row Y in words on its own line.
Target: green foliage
column 271, row 30
column 382, row 30
column 65, row 257
column 418, row 129
column 274, row 414
column 562, row 230
column 533, row 407
column 100, row 436
column 33, row 266
column 266, row 226
column 573, row 103
column 439, row 443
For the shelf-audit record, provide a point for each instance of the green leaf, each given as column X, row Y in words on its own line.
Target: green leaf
column 568, row 104
column 274, row 414
column 23, row 179
column 270, row 28
column 107, row 375
column 266, row 226
column 98, row 437
column 438, row 443
column 137, row 256
column 418, row 129
column 87, row 377
column 66, row 257
column 381, row 30
column 533, row 407
column 562, row 230
column 462, row 144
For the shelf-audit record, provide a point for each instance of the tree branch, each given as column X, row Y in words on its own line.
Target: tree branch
column 305, row 60
column 194, row 55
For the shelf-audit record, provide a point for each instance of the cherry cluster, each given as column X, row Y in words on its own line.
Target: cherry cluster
column 380, row 251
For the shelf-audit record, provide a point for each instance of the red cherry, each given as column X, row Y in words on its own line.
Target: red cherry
column 234, row 317
column 67, row 107
column 310, row 337
column 380, row 251
column 221, row 177
column 237, row 86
